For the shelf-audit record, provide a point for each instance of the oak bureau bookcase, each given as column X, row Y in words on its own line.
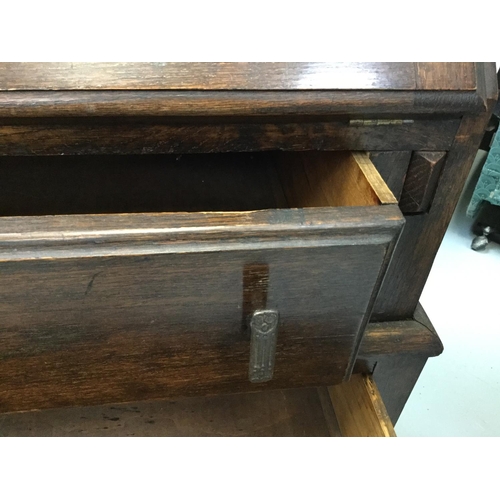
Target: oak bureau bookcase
column 201, row 229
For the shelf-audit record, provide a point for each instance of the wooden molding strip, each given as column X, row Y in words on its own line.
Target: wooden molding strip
column 400, row 337
column 225, row 104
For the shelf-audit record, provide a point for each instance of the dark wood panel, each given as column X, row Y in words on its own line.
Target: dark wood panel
column 208, row 76
column 152, row 328
column 140, row 138
column 423, row 233
column 90, row 330
column 195, row 104
column 421, row 181
column 396, row 368
column 292, row 413
column 392, row 166
column 410, row 339
column 396, row 377
column 446, row 76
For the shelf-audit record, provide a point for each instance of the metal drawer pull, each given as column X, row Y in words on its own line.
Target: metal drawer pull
column 264, row 333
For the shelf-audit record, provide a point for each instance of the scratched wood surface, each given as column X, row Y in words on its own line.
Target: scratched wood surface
column 350, row 409
column 286, row 413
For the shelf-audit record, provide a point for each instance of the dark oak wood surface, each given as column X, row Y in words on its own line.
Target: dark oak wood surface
column 158, row 301
column 151, row 327
column 404, row 339
column 421, row 181
column 237, row 76
column 143, row 138
column 396, row 368
column 392, row 166
column 423, row 233
column 286, row 413
column 432, row 107
column 350, row 409
column 234, row 103
column 396, row 376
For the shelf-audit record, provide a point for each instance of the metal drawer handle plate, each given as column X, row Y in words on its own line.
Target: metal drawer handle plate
column 264, row 333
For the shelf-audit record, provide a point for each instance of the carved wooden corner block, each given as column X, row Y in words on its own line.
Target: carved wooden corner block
column 421, row 181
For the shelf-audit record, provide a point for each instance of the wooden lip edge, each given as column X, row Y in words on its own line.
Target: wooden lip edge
column 98, row 235
column 421, row 317
column 258, row 222
column 183, row 103
column 399, row 337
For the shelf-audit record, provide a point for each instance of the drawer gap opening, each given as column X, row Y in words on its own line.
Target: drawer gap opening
column 232, row 182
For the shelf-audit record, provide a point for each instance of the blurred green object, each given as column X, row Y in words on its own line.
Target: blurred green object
column 488, row 185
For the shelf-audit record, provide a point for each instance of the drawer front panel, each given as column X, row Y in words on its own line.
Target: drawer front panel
column 152, row 325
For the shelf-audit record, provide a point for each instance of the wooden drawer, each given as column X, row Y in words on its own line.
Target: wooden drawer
column 145, row 282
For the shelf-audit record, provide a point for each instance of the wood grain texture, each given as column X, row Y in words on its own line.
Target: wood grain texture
column 234, row 103
column 237, row 126
column 151, row 328
column 140, row 138
column 71, row 236
column 313, row 179
column 421, row 181
column 207, row 76
column 121, row 288
column 237, row 76
column 359, row 409
column 287, row 413
column 392, row 166
column 445, row 76
column 423, row 233
column 400, row 337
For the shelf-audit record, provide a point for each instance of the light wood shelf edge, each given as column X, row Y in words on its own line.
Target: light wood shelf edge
column 359, row 408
